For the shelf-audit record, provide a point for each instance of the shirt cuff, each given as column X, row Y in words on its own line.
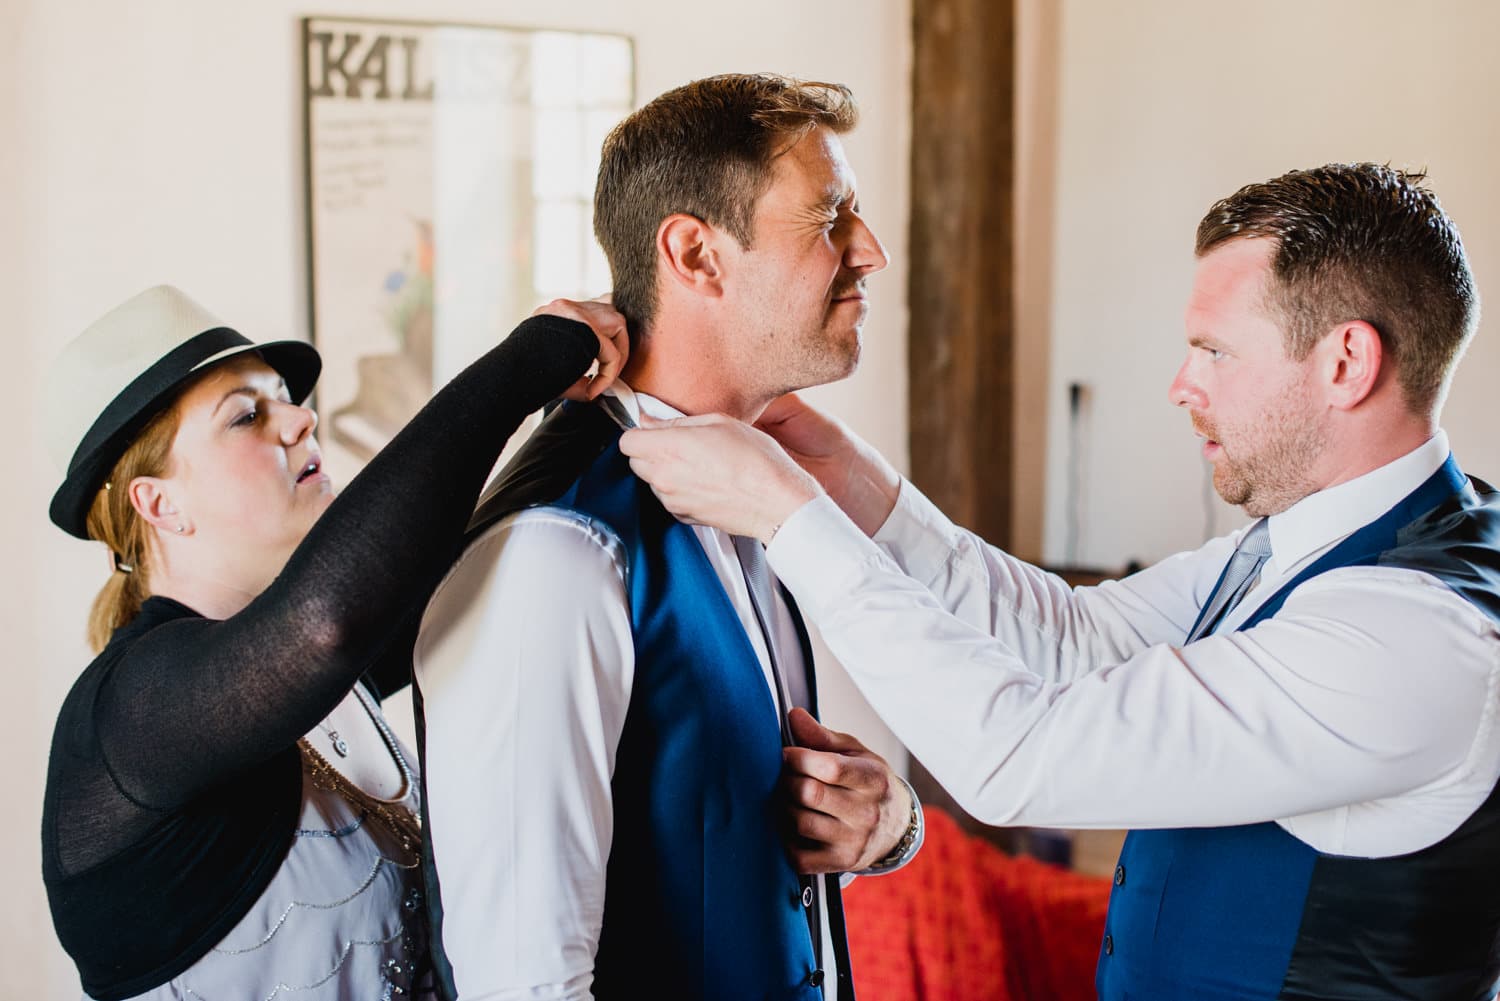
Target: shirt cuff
column 917, row 535
column 819, row 553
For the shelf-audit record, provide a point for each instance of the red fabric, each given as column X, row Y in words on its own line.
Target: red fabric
column 966, row 922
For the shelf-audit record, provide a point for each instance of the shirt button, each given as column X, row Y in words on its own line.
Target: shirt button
column 807, row 896
column 815, row 978
column 1119, row 875
column 1109, row 945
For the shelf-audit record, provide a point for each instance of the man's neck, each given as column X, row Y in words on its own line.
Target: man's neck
column 693, row 382
column 1377, row 444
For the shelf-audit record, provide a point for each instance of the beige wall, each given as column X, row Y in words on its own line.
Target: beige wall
column 1037, row 72
column 1164, row 106
column 160, row 141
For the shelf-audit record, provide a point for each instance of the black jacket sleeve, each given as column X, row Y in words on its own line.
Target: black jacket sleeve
column 195, row 700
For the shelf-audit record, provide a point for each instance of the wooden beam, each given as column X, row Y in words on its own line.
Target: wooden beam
column 960, row 352
column 960, row 349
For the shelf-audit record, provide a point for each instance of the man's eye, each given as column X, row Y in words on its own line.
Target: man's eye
column 248, row 417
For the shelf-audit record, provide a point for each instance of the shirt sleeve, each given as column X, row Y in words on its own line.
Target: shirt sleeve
column 1316, row 707
column 1057, row 631
column 525, row 663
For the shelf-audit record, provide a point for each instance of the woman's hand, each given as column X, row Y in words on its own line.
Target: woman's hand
column 857, row 477
column 715, row 470
column 614, row 342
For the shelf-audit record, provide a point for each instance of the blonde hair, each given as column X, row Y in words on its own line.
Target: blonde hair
column 114, row 521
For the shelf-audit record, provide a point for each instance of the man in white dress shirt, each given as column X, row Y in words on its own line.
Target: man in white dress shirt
column 1297, row 721
column 578, row 851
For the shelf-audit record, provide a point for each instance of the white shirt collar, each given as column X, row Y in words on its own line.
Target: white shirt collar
column 1328, row 515
column 636, row 403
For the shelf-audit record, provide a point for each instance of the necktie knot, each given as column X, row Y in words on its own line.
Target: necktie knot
column 1243, row 569
column 1257, row 541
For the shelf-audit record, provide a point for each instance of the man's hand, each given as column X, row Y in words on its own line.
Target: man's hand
column 614, row 342
column 715, row 470
column 856, row 476
column 847, row 808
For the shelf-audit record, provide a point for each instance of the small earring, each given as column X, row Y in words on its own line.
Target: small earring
column 180, row 529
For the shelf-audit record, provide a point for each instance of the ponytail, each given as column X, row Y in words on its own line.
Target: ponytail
column 114, row 521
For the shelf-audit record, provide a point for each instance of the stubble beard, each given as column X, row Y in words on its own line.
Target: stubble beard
column 1276, row 473
column 814, row 355
column 841, row 346
column 822, row 356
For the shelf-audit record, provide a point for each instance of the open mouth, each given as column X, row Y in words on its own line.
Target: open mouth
column 313, row 467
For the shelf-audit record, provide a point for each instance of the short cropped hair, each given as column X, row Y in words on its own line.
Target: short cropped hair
column 1361, row 241
column 706, row 150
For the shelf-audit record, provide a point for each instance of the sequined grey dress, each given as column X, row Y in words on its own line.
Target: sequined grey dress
column 343, row 917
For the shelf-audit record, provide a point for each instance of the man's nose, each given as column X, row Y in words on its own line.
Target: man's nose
column 866, row 254
column 1184, row 391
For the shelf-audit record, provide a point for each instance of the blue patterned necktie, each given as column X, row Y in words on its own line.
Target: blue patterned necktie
column 1244, row 566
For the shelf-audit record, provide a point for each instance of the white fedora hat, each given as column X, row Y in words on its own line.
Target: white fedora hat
column 124, row 370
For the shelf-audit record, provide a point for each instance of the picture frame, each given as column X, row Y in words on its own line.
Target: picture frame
column 449, row 172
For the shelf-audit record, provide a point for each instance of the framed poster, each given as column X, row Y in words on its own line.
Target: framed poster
column 450, row 175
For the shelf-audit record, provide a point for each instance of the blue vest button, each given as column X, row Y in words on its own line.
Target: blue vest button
column 815, row 978
column 1119, row 875
column 1109, row 945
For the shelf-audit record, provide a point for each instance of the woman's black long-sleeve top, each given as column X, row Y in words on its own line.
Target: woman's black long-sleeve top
column 174, row 781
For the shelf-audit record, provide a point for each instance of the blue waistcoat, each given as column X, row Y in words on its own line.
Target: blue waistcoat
column 700, row 898
column 1251, row 912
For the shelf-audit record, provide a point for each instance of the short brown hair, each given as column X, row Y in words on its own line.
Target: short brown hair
column 1361, row 241
column 704, row 149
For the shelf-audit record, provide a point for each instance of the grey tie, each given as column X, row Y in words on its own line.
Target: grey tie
column 758, row 582
column 1244, row 566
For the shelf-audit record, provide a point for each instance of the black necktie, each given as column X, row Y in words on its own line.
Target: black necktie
column 1244, row 566
column 616, row 410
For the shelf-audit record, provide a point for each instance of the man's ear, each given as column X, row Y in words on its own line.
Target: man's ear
column 1352, row 361
column 687, row 249
column 152, row 499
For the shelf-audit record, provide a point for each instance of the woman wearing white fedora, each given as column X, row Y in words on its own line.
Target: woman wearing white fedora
column 227, row 815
